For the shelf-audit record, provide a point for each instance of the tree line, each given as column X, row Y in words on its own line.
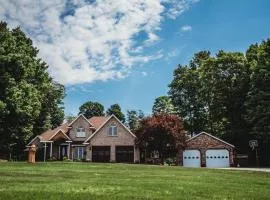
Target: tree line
column 227, row 95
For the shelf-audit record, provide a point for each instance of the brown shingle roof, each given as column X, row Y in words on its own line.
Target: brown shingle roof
column 97, row 121
column 45, row 136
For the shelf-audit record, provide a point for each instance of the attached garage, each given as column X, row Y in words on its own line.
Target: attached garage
column 101, row 153
column 217, row 158
column 206, row 150
column 191, row 158
column 124, row 154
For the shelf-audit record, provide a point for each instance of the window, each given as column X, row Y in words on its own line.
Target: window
column 113, row 130
column 79, row 152
column 80, row 132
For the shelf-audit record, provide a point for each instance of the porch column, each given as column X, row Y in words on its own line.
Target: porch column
column 45, row 145
column 51, row 150
column 68, row 149
column 72, row 153
column 59, row 152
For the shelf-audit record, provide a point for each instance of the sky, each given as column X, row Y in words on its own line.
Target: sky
column 125, row 52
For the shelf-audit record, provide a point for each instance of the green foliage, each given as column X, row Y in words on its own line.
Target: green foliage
column 163, row 104
column 115, row 109
column 90, row 109
column 227, row 94
column 258, row 97
column 134, row 118
column 29, row 99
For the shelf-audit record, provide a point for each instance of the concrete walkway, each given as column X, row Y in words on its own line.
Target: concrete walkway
column 248, row 169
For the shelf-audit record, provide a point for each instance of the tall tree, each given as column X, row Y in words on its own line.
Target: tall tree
column 90, row 109
column 115, row 109
column 163, row 104
column 134, row 118
column 225, row 84
column 185, row 92
column 258, row 97
column 163, row 133
column 25, row 88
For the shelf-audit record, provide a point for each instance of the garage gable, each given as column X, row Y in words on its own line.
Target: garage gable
column 206, row 140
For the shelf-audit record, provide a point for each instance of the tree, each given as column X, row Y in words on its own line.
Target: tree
column 29, row 99
column 210, row 93
column 90, row 109
column 225, row 85
column 133, row 119
column 115, row 109
column 185, row 92
column 163, row 104
column 163, row 133
column 258, row 97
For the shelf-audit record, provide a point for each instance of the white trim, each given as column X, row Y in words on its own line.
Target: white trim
column 78, row 118
column 78, row 145
column 44, row 141
column 212, row 137
column 106, row 123
column 58, row 132
column 33, row 140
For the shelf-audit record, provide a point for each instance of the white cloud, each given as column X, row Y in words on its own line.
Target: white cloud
column 144, row 73
column 85, row 41
column 186, row 28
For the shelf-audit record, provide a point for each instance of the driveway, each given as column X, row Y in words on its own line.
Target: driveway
column 248, row 169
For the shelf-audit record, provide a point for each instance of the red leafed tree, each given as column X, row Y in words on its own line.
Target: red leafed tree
column 163, row 133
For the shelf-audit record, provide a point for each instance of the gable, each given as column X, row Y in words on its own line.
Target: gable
column 59, row 135
column 102, row 132
column 205, row 140
column 80, row 117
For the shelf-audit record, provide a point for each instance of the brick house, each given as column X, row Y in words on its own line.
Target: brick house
column 98, row 139
column 206, row 150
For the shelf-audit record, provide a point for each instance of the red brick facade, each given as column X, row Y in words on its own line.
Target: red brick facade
column 205, row 141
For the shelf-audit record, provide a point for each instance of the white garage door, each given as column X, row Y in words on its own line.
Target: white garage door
column 191, row 158
column 217, row 158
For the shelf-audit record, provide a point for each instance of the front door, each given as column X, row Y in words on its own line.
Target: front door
column 63, row 152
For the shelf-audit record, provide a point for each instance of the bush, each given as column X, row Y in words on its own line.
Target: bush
column 170, row 161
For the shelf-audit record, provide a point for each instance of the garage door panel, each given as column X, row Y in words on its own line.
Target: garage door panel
column 217, row 158
column 191, row 158
column 101, row 153
column 124, row 154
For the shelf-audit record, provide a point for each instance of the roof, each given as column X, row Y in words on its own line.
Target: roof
column 103, row 124
column 47, row 135
column 97, row 121
column 211, row 137
column 81, row 115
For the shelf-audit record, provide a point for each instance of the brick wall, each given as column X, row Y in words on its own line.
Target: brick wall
column 123, row 138
column 204, row 142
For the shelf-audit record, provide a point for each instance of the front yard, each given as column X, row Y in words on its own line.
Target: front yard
column 123, row 181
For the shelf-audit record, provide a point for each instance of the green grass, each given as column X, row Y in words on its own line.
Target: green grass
column 123, row 181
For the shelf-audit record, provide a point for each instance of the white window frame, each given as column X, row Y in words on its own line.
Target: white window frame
column 78, row 152
column 112, row 130
column 80, row 132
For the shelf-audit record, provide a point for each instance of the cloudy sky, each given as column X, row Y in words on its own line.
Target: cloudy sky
column 125, row 51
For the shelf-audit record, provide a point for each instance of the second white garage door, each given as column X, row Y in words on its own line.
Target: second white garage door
column 191, row 158
column 217, row 158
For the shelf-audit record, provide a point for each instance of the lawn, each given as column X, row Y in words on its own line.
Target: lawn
column 123, row 181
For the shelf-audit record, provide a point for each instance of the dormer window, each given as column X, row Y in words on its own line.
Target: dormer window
column 80, row 132
column 112, row 130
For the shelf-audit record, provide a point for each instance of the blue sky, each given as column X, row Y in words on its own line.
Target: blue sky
column 130, row 61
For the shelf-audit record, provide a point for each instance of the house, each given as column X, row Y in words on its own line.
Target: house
column 98, row 139
column 206, row 150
